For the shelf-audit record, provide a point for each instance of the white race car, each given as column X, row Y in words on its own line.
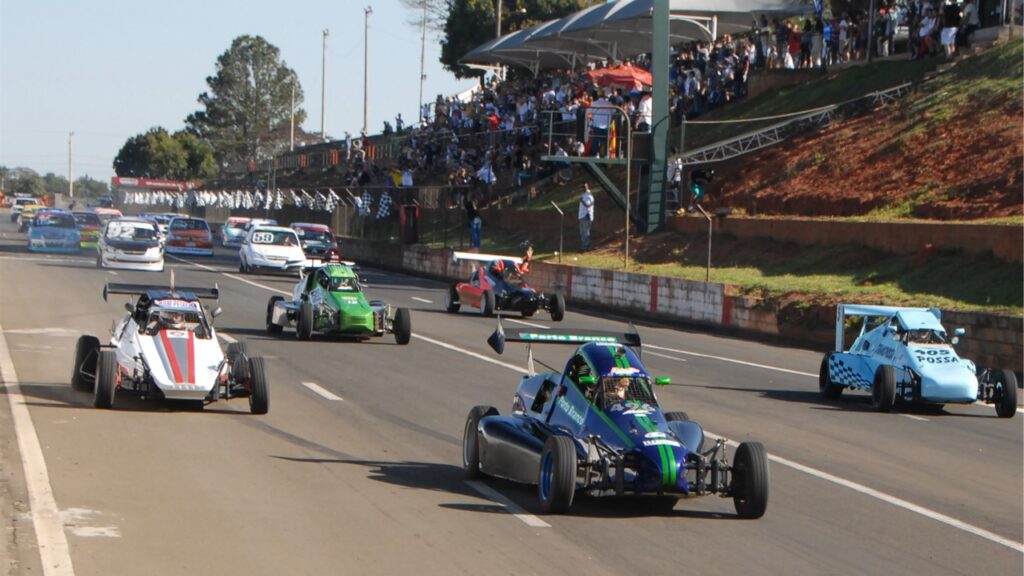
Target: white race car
column 271, row 249
column 166, row 347
column 904, row 354
column 130, row 244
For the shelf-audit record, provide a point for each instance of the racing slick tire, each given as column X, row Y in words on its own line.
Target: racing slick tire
column 883, row 389
column 238, row 358
column 451, row 301
column 85, row 359
column 271, row 327
column 471, row 440
column 106, row 380
column 1006, row 397
column 259, row 386
column 402, row 326
column 676, row 416
column 750, row 480
column 99, row 261
column 487, row 303
column 557, row 307
column 826, row 387
column 242, row 266
column 556, row 482
column 304, row 326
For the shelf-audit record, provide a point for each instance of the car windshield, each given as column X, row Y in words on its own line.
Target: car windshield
column 87, row 219
column 174, row 318
column 237, row 225
column 54, row 221
column 344, row 284
column 612, row 390
column 275, row 237
column 310, row 235
column 105, row 216
column 131, row 231
column 181, row 224
column 925, row 336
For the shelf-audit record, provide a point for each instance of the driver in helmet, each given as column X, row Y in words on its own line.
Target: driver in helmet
column 172, row 319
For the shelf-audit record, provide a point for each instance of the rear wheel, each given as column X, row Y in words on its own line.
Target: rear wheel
column 750, row 480
column 557, row 475
column 557, row 307
column 85, row 361
column 883, row 389
column 402, row 326
column 304, row 327
column 106, row 380
column 271, row 327
column 1006, row 393
column 451, row 302
column 487, row 303
column 471, row 440
column 259, row 387
column 826, row 387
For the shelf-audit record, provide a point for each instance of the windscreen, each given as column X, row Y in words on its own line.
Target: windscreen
column 87, row 219
column 275, row 237
column 51, row 220
column 311, row 235
column 131, row 231
column 183, row 224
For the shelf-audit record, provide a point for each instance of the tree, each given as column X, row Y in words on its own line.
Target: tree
column 87, row 187
column 157, row 154
column 470, row 23
column 24, row 181
column 247, row 111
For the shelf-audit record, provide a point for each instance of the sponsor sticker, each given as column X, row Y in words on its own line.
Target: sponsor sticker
column 571, row 411
column 183, row 304
column 663, row 442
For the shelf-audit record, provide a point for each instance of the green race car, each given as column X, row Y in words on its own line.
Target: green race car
column 329, row 299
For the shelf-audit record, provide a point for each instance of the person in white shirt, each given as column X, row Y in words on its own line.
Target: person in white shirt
column 586, row 217
column 600, row 113
column 645, row 112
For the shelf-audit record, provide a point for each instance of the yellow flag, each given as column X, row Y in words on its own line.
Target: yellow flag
column 612, row 140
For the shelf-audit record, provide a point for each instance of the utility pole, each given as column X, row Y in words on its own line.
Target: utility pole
column 292, row 145
column 423, row 50
column 366, row 70
column 71, row 183
column 323, row 90
column 497, row 30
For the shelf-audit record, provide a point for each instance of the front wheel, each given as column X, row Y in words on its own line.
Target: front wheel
column 83, row 373
column 273, row 328
column 451, row 303
column 259, row 386
column 1006, row 393
column 750, row 480
column 402, row 326
column 557, row 307
column 883, row 389
column 238, row 360
column 487, row 303
column 304, row 327
column 826, row 387
column 471, row 440
column 106, row 380
column 557, row 475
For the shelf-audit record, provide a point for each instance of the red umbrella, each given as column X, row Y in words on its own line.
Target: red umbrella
column 624, row 76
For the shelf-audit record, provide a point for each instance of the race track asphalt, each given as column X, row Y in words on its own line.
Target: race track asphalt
column 357, row 467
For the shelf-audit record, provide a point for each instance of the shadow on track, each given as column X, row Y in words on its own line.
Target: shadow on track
column 60, row 395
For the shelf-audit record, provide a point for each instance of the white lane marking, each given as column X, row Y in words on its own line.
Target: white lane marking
column 795, row 465
column 424, row 300
column 895, row 501
column 53, row 543
column 666, row 356
column 74, row 518
column 322, row 391
column 732, row 360
column 43, row 332
column 227, row 337
column 512, row 507
column 912, row 417
column 112, row 272
column 530, row 324
column 470, row 353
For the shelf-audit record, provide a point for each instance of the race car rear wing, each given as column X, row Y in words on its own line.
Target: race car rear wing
column 497, row 340
column 140, row 289
column 472, row 256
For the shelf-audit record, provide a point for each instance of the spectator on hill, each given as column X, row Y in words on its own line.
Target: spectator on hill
column 586, row 217
column 950, row 25
column 473, row 218
column 970, row 22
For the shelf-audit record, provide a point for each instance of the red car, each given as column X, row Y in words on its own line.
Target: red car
column 501, row 285
column 191, row 236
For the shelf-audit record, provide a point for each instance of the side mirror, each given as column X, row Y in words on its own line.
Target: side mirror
column 954, row 340
column 662, row 381
column 587, row 380
column 959, row 332
column 216, row 312
column 128, row 306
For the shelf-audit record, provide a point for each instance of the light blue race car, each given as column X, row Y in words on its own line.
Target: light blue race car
column 54, row 231
column 904, row 355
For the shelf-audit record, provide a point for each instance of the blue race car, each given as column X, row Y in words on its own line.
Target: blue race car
column 597, row 428
column 905, row 355
column 54, row 231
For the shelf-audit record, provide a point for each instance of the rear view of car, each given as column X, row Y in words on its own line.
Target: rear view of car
column 317, row 239
column 28, row 212
column 233, row 231
column 190, row 236
column 107, row 214
column 271, row 249
column 52, row 231
column 130, row 244
column 89, row 226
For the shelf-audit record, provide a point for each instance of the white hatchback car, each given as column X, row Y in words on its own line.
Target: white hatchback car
column 130, row 244
column 271, row 249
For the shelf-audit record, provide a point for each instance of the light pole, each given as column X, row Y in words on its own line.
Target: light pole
column 292, row 112
column 366, row 69
column 323, row 90
column 423, row 50
column 561, row 229
column 71, row 183
column 497, row 29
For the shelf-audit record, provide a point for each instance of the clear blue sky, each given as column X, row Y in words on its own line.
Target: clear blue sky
column 110, row 69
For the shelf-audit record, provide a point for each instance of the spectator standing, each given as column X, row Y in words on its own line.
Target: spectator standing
column 600, row 119
column 674, row 176
column 643, row 121
column 950, row 24
column 475, row 223
column 970, row 22
column 485, row 175
column 586, row 217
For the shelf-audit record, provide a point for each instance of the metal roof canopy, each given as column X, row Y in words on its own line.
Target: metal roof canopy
column 622, row 29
